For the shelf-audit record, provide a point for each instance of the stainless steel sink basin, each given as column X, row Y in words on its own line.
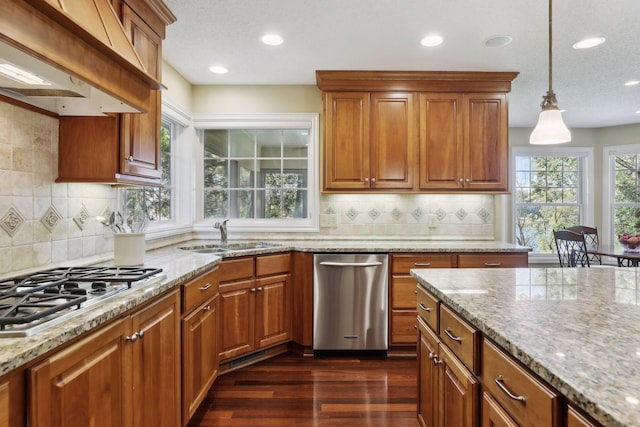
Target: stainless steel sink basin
column 218, row 248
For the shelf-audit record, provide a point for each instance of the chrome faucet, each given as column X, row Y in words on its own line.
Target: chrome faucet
column 223, row 231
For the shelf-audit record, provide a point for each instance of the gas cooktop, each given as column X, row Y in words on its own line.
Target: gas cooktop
column 33, row 302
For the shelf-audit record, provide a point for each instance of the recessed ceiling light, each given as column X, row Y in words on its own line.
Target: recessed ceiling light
column 638, row 112
column 588, row 43
column 632, row 82
column 431, row 41
column 218, row 69
column 498, row 41
column 272, row 39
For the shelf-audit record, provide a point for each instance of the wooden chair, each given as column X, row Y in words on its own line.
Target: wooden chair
column 590, row 237
column 572, row 248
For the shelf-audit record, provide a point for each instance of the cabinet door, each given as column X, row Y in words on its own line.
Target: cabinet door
column 237, row 304
column 140, row 139
column 13, row 399
column 427, row 377
column 576, row 419
column 346, row 140
column 199, row 355
column 486, row 148
column 155, row 398
column 459, row 392
column 394, row 140
column 441, row 152
column 493, row 415
column 271, row 312
column 84, row 384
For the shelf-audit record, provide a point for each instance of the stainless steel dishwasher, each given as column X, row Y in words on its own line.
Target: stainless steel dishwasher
column 350, row 302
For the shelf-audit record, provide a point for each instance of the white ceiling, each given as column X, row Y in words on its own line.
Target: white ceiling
column 384, row 35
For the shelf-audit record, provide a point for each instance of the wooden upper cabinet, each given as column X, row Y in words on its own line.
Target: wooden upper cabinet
column 140, row 138
column 441, row 139
column 370, row 140
column 486, row 146
column 394, row 133
column 121, row 148
column 420, row 131
column 346, row 140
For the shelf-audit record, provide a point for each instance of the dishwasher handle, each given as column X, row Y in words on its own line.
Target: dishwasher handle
column 350, row 264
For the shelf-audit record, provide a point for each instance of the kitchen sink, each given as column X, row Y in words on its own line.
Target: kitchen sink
column 221, row 248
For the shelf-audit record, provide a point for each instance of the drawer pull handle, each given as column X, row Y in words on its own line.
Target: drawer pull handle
column 422, row 264
column 500, row 383
column 434, row 359
column 205, row 287
column 206, row 308
column 424, row 307
column 448, row 333
column 492, row 264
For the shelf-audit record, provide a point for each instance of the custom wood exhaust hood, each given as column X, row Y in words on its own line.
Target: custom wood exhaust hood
column 81, row 49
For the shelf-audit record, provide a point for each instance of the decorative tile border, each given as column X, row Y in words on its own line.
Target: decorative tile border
column 374, row 214
column 51, row 218
column 352, row 214
column 11, row 221
column 82, row 217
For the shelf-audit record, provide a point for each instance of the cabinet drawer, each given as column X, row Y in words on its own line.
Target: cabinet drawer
column 196, row 291
column 403, row 263
column 576, row 419
column 493, row 414
column 403, row 292
column 403, row 327
column 532, row 403
column 428, row 308
column 488, row 260
column 235, row 269
column 273, row 264
column 461, row 338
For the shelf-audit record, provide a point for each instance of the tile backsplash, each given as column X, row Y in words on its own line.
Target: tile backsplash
column 43, row 222
column 406, row 216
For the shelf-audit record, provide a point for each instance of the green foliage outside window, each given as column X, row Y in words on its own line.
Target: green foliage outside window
column 547, row 193
column 626, row 203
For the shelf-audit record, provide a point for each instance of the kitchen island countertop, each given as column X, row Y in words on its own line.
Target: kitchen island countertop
column 577, row 328
column 180, row 265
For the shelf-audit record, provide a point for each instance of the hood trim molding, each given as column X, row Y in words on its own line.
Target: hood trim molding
column 102, row 56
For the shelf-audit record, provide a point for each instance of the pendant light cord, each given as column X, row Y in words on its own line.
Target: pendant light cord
column 550, row 52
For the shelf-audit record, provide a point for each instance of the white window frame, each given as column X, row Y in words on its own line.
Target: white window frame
column 587, row 214
column 264, row 121
column 608, row 186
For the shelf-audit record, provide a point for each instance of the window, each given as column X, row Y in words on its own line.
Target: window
column 622, row 178
column 550, row 192
column 260, row 171
column 156, row 201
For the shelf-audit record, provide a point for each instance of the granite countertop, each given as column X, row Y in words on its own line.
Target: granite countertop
column 181, row 265
column 577, row 328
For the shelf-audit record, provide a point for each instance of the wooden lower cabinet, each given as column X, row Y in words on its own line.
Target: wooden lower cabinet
column 199, row 355
column 493, row 415
column 454, row 400
column 12, row 400
column 125, row 374
column 254, row 307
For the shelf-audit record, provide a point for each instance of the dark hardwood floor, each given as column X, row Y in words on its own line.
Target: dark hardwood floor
column 291, row 390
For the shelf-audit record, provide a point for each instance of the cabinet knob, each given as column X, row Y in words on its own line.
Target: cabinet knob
column 259, row 289
column 366, row 180
column 207, row 308
column 141, row 334
column 253, row 289
column 434, row 358
column 461, row 180
column 468, row 180
column 373, row 180
column 132, row 338
column 129, row 159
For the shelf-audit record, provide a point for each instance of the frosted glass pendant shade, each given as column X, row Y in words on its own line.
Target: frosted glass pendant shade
column 550, row 129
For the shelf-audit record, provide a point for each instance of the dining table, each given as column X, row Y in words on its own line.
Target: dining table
column 625, row 258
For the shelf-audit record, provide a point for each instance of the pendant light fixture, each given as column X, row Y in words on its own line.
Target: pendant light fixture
column 550, row 128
